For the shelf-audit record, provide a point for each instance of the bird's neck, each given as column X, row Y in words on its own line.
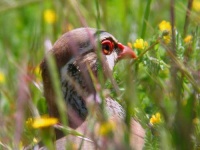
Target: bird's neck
column 77, row 85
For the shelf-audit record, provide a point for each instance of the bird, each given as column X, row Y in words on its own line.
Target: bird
column 79, row 56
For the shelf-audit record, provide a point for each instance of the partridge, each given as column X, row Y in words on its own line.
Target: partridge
column 78, row 56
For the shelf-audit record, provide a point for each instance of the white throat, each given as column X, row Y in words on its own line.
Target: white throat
column 111, row 59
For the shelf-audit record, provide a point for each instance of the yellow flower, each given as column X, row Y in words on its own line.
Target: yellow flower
column 107, row 128
column 49, row 16
column 165, row 26
column 44, row 122
column 140, row 44
column 167, row 39
column 155, row 119
column 196, row 5
column 2, row 77
column 188, row 39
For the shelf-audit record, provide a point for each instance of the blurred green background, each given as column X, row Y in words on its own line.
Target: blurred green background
column 159, row 82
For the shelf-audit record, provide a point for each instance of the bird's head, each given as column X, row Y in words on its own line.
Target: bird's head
column 73, row 51
column 81, row 41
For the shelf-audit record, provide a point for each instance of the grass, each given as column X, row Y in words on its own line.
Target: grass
column 164, row 79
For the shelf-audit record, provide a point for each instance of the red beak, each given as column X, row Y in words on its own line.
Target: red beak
column 126, row 52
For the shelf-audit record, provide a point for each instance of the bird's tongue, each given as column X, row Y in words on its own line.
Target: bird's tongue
column 126, row 52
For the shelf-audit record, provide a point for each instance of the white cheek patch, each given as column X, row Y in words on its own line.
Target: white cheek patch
column 111, row 59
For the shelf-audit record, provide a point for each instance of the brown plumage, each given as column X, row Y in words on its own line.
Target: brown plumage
column 75, row 54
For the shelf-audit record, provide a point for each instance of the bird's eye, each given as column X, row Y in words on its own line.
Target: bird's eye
column 107, row 47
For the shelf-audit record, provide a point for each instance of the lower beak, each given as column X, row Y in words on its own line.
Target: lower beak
column 126, row 52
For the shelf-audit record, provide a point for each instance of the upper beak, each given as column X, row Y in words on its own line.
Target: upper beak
column 126, row 52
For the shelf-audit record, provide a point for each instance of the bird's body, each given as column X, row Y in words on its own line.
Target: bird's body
column 76, row 56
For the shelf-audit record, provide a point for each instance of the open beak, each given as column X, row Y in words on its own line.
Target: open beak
column 126, row 52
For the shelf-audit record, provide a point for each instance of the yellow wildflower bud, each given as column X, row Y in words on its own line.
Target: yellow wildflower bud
column 49, row 16
column 107, row 128
column 165, row 26
column 196, row 5
column 155, row 119
column 167, row 39
column 188, row 39
column 44, row 122
column 2, row 77
column 140, row 44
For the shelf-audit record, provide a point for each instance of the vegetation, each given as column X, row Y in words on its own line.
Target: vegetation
column 160, row 89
